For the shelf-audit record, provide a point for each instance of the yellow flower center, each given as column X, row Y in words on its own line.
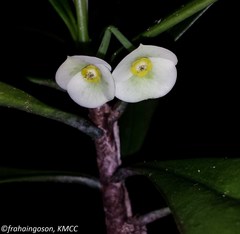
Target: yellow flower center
column 91, row 73
column 141, row 67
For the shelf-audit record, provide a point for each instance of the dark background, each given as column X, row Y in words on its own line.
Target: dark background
column 198, row 118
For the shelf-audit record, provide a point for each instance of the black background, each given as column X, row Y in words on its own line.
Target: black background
column 198, row 118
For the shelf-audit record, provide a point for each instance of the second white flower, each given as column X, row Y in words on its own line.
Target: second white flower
column 147, row 72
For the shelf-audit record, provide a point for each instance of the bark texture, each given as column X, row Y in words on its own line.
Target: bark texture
column 117, row 206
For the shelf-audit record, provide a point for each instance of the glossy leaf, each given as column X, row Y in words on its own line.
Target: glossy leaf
column 179, row 21
column 203, row 194
column 222, row 175
column 134, row 125
column 176, row 17
column 13, row 175
column 18, row 99
column 181, row 28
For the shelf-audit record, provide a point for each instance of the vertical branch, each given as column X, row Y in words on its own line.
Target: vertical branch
column 116, row 202
column 113, row 194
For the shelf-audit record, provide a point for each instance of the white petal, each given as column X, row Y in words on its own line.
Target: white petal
column 123, row 70
column 107, row 84
column 165, row 73
column 73, row 65
column 156, row 84
column 94, row 61
column 157, row 52
column 89, row 94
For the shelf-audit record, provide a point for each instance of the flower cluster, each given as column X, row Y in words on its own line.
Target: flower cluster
column 147, row 72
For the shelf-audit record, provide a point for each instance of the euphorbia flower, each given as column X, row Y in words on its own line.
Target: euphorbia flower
column 147, row 72
column 88, row 80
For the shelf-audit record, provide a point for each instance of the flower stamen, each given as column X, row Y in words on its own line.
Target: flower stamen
column 91, row 73
column 141, row 67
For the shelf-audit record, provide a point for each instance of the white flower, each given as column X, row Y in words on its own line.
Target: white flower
column 88, row 80
column 147, row 72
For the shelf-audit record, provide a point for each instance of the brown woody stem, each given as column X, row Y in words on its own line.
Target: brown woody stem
column 115, row 197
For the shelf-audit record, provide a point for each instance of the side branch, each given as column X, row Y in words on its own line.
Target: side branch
column 150, row 217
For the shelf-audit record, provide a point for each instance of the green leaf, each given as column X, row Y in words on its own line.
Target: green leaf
column 18, row 99
column 134, row 125
column 178, row 30
column 203, row 194
column 121, row 38
column 176, row 17
column 65, row 12
column 222, row 175
column 81, row 7
column 14, row 175
column 45, row 82
column 102, row 50
column 179, row 22
column 106, row 41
